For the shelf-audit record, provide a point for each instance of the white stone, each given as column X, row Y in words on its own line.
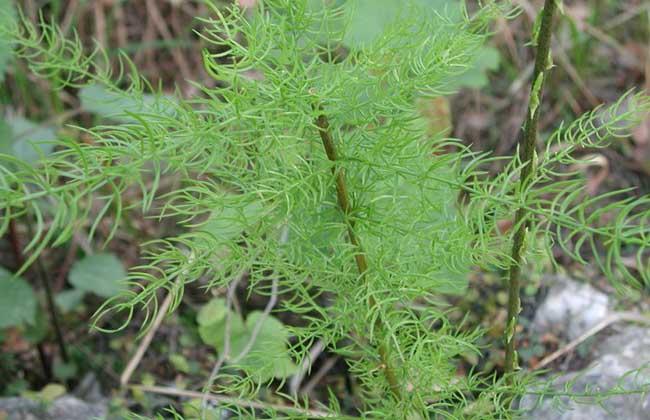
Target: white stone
column 570, row 309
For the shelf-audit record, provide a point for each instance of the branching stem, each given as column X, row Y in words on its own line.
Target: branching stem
column 527, row 156
column 360, row 257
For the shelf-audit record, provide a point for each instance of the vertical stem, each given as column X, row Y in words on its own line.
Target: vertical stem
column 360, row 257
column 41, row 273
column 15, row 243
column 45, row 363
column 14, row 239
column 527, row 157
column 51, row 308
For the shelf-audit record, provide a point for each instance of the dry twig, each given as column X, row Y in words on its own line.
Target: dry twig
column 609, row 320
column 144, row 344
column 232, row 401
column 161, row 26
column 305, row 367
column 256, row 329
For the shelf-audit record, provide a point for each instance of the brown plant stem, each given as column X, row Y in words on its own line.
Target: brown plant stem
column 51, row 308
column 360, row 257
column 15, row 243
column 527, row 156
column 43, row 278
column 226, row 400
column 45, row 362
column 14, row 239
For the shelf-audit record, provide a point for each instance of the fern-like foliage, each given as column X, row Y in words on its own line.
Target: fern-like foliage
column 255, row 191
column 556, row 200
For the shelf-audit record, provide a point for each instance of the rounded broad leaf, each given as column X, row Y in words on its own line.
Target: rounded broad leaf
column 487, row 59
column 453, row 282
column 100, row 274
column 212, row 323
column 369, row 19
column 25, row 139
column 36, row 331
column 193, row 409
column 17, row 301
column 48, row 394
column 212, row 312
column 69, row 300
column 230, row 222
column 117, row 105
column 179, row 362
column 215, row 334
column 64, row 371
column 268, row 358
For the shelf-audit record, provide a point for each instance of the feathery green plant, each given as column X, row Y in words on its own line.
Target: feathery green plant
column 315, row 167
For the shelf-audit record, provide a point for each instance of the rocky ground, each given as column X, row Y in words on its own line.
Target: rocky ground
column 617, row 371
column 618, row 356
